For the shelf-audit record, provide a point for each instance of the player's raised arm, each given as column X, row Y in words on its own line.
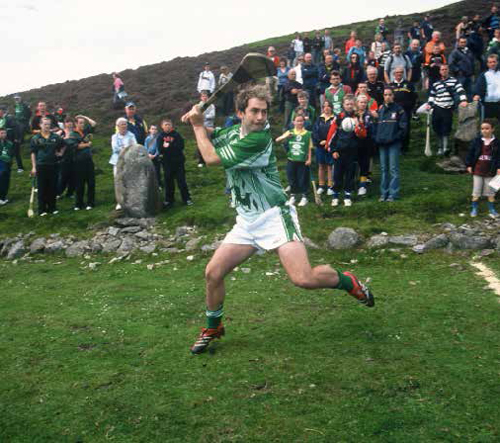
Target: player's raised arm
column 195, row 117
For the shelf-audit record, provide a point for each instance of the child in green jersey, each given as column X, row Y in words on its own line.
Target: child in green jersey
column 299, row 158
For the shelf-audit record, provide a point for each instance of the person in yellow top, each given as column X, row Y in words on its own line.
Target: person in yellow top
column 299, row 158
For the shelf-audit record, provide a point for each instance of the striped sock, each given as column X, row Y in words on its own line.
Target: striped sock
column 214, row 318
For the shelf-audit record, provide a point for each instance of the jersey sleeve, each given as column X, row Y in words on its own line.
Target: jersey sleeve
column 241, row 153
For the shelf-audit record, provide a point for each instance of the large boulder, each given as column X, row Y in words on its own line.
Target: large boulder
column 463, row 241
column 136, row 186
column 343, row 238
column 16, row 250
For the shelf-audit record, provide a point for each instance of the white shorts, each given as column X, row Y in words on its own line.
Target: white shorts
column 272, row 229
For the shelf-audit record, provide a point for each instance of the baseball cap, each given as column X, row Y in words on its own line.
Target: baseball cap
column 130, row 105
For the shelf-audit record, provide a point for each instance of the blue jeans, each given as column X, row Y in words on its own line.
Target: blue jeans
column 389, row 170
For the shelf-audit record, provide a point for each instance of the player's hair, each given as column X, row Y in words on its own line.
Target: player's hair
column 348, row 97
column 389, row 88
column 69, row 119
column 334, row 74
column 166, row 120
column 495, row 56
column 361, row 96
column 77, row 119
column 3, row 129
column 490, row 121
column 304, row 94
column 121, row 120
column 259, row 92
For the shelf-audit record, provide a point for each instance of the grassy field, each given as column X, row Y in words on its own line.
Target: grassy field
column 94, row 356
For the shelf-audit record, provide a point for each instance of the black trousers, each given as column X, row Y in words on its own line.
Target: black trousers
column 406, row 140
column 442, row 120
column 66, row 178
column 492, row 110
column 157, row 165
column 85, row 177
column 175, row 172
column 365, row 153
column 4, row 179
column 298, row 177
column 344, row 169
column 47, row 187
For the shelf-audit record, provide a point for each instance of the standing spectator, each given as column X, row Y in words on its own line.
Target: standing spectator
column 119, row 93
column 404, row 96
column 42, row 112
column 433, row 42
column 494, row 45
column 324, row 159
column 6, row 156
column 371, row 60
column 386, row 53
column 299, row 159
column 372, row 104
column 376, row 46
column 328, row 42
column 336, row 92
column 442, row 96
column 475, row 40
column 325, row 72
column 227, row 97
column 135, row 123
column 433, row 64
column 426, row 28
column 206, row 80
column 298, row 47
column 208, row 122
column 305, row 109
column 66, row 175
column 8, row 122
column 317, row 46
column 290, row 90
column 60, row 116
column 461, row 64
column 310, row 78
column 83, row 165
column 307, row 44
column 119, row 141
column 389, row 134
column 351, row 42
column 23, row 114
column 416, row 58
column 271, row 80
column 415, row 32
column 298, row 68
column 171, row 147
column 282, row 74
column 45, row 146
column 151, row 145
column 344, row 147
column 358, row 49
column 375, row 87
column 365, row 146
column 483, row 161
column 382, row 29
column 354, row 72
column 399, row 33
column 462, row 28
column 492, row 22
column 397, row 59
column 487, row 88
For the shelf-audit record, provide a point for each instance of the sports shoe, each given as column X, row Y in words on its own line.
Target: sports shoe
column 118, row 207
column 2, row 202
column 291, row 201
column 55, row 212
column 360, row 291
column 493, row 213
column 20, row 170
column 205, row 337
column 362, row 190
column 347, row 202
column 189, row 203
column 288, row 188
column 43, row 214
column 200, row 165
column 76, row 208
column 303, row 201
column 473, row 212
column 390, row 199
column 335, row 202
column 382, row 199
column 440, row 151
column 329, row 191
column 320, row 190
column 88, row 208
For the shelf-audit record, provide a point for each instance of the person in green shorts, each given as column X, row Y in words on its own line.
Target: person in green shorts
column 264, row 220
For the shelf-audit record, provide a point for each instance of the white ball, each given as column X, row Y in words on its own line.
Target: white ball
column 348, row 124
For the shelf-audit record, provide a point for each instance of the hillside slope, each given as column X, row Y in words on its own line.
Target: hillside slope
column 165, row 88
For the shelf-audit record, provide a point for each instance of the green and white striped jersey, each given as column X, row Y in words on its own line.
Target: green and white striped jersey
column 251, row 170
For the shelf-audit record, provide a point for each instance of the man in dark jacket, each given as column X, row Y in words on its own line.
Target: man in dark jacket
column 487, row 88
column 325, row 71
column 171, row 148
column 375, row 87
column 136, row 124
column 390, row 131
column 23, row 115
column 461, row 63
column 290, row 90
column 310, row 78
column 404, row 96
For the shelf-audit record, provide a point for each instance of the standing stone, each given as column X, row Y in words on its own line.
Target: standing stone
column 343, row 238
column 16, row 250
column 136, row 185
column 77, row 249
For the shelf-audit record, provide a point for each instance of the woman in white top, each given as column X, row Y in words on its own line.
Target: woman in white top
column 122, row 139
column 377, row 46
column 298, row 47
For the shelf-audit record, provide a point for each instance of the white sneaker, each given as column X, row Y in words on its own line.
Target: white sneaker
column 362, row 190
column 329, row 191
column 20, row 170
column 76, row 208
column 88, row 208
column 320, row 190
column 292, row 200
column 55, row 212
column 335, row 202
column 303, row 201
column 288, row 188
column 440, row 151
column 118, row 207
column 200, row 165
column 43, row 214
column 2, row 202
column 347, row 202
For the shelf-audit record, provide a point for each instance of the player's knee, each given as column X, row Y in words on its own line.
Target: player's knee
column 213, row 273
column 301, row 280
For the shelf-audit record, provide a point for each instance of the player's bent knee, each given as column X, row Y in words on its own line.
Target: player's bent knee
column 213, row 274
column 302, row 281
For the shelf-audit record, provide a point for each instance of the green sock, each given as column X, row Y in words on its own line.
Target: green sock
column 345, row 282
column 214, row 318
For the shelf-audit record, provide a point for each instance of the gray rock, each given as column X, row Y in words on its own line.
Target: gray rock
column 95, row 246
column 16, row 250
column 54, row 247
column 463, row 241
column 127, row 245
column 111, row 245
column 143, row 235
column 377, row 241
column 448, row 227
column 440, row 241
column 131, row 229
column 452, row 164
column 136, row 186
column 310, row 244
column 37, row 246
column 404, row 240
column 419, row 249
column 148, row 249
column 343, row 238
column 113, row 231
column 211, row 247
column 78, row 249
column 192, row 244
column 183, row 230
column 129, row 221
column 6, row 245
